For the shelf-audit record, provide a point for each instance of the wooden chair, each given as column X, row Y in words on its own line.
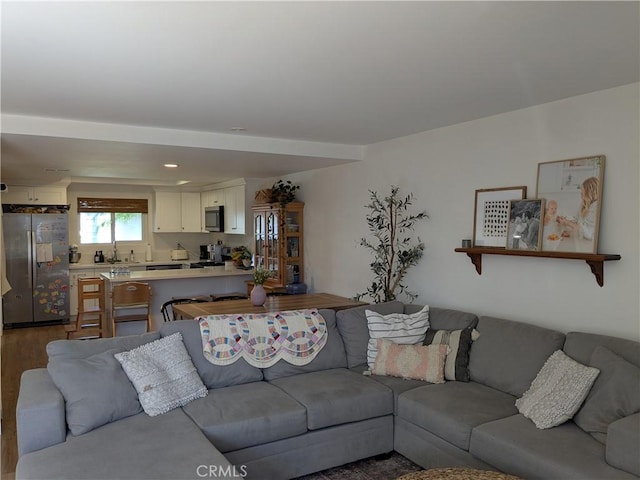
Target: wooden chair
column 90, row 321
column 130, row 302
column 218, row 297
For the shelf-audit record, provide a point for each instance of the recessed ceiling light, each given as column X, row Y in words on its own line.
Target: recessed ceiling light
column 171, row 165
column 238, row 129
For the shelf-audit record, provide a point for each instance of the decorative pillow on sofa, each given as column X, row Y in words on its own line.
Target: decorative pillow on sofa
column 96, row 390
column 397, row 327
column 557, row 392
column 457, row 364
column 163, row 374
column 418, row 362
column 614, row 394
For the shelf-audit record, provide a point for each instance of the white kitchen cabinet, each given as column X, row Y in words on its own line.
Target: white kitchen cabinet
column 191, row 212
column 212, row 198
column 35, row 195
column 234, row 210
column 177, row 212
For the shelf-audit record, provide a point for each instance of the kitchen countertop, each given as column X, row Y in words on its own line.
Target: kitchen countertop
column 83, row 266
column 176, row 274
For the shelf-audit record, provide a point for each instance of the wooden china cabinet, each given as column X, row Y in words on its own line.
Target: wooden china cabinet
column 278, row 243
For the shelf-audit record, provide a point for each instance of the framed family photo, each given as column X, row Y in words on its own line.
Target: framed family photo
column 525, row 225
column 572, row 190
column 491, row 216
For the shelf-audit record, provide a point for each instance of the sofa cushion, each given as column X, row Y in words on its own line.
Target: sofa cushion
column 623, row 444
column 85, row 348
column 459, row 341
column 166, row 447
column 418, row 362
column 332, row 354
column 163, row 374
column 515, row 445
column 557, row 392
column 396, row 384
column 337, row 396
column 451, row 410
column 508, row 355
column 95, row 389
column 244, row 415
column 405, row 329
column 580, row 347
column 352, row 324
column 213, row 376
column 615, row 394
column 446, row 318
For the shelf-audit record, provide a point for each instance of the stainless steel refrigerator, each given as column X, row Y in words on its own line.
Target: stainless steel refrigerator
column 37, row 268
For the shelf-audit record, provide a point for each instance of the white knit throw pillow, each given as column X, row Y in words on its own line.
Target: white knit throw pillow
column 557, row 392
column 163, row 374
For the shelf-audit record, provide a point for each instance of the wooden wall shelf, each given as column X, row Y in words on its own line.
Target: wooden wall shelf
column 594, row 260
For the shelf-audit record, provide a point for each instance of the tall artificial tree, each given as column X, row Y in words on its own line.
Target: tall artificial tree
column 390, row 222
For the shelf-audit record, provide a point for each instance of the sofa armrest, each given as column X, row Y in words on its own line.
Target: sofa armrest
column 40, row 412
column 623, row 444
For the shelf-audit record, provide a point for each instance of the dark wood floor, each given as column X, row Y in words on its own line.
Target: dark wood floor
column 22, row 349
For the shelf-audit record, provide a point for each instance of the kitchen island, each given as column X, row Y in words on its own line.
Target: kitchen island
column 168, row 284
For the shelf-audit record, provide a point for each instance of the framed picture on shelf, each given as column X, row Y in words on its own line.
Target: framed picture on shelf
column 491, row 216
column 525, row 224
column 573, row 192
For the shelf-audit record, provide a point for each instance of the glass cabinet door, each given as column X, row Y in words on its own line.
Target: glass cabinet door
column 272, row 250
column 259, row 240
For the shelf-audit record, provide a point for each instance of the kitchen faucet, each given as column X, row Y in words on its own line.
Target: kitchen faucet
column 115, row 252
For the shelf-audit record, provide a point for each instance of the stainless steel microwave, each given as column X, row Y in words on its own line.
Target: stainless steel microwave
column 214, row 219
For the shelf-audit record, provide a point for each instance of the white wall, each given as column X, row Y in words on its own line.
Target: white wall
column 444, row 167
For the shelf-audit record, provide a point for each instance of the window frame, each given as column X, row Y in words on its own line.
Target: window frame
column 113, row 206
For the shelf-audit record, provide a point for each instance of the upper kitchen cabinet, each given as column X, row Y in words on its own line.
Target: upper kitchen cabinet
column 212, row 198
column 177, row 212
column 234, row 210
column 35, row 195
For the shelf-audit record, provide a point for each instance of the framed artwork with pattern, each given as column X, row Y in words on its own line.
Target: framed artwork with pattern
column 491, row 216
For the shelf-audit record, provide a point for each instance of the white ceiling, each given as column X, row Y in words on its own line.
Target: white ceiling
column 115, row 89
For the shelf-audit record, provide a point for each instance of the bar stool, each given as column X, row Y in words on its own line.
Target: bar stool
column 91, row 310
column 130, row 302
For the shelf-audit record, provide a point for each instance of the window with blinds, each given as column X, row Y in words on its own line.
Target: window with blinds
column 107, row 220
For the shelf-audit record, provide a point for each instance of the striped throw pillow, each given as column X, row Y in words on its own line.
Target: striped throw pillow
column 457, row 364
column 400, row 328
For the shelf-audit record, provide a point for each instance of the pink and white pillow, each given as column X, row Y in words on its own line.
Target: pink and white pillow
column 418, row 362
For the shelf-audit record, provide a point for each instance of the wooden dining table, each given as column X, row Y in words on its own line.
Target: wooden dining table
column 274, row 303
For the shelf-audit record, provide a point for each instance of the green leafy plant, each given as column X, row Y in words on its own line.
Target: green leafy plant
column 284, row 192
column 394, row 252
column 261, row 275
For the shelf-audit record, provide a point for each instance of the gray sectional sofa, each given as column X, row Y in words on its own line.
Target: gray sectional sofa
column 287, row 421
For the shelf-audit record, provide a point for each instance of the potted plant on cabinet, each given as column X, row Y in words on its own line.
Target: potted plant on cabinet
column 283, row 192
column 258, row 293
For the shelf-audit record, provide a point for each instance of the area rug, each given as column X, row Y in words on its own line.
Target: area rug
column 384, row 467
